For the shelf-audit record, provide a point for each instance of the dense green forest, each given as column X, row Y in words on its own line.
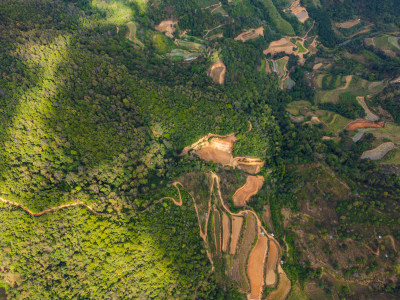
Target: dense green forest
column 87, row 115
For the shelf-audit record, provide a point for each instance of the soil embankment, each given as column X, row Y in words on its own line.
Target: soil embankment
column 250, row 34
column 250, row 188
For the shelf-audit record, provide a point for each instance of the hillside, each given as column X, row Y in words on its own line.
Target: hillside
column 199, row 149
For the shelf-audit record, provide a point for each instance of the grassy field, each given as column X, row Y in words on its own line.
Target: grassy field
column 280, row 23
column 295, row 107
column 392, row 157
column 358, row 87
column 388, row 42
column 334, row 122
column 301, row 48
column 390, row 132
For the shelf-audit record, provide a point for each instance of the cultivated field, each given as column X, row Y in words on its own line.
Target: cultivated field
column 272, row 261
column 237, row 223
column 299, row 11
column 226, row 232
column 283, row 288
column 348, row 24
column 370, row 116
column 255, row 266
column 379, row 152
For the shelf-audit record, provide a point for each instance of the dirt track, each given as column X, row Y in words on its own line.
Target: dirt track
column 364, row 124
column 348, row 24
column 250, row 34
column 78, row 203
column 250, row 188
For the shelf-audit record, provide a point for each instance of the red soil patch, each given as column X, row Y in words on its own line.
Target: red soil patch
column 255, row 267
column 250, row 188
column 167, row 27
column 250, row 34
column 237, row 223
column 283, row 288
column 226, row 232
column 217, row 72
column 364, row 124
column 272, row 261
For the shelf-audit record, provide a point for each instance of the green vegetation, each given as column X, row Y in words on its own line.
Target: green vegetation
column 347, row 106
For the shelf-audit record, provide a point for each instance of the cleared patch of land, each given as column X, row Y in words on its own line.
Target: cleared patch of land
column 272, row 261
column 364, row 124
column 283, row 288
column 167, row 27
column 132, row 35
column 378, row 152
column 348, row 24
column 286, row 45
column 250, row 188
column 250, row 34
column 255, row 266
column 237, row 223
column 217, row 72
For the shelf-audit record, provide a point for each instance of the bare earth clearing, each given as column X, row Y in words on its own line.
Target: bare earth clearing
column 299, row 11
column 167, row 27
column 349, row 78
column 348, row 24
column 219, row 150
column 250, row 34
column 378, row 152
column 217, row 72
column 364, row 124
column 250, row 188
column 285, row 45
column 132, row 35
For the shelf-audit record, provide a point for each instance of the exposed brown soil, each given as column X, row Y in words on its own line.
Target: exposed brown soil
column 267, row 216
column 283, row 288
column 299, row 11
column 217, row 72
column 364, row 124
column 218, row 149
column 317, row 66
column 285, row 45
column 250, row 188
column 272, row 261
column 250, row 34
column 237, row 223
column 255, row 267
column 378, row 152
column 348, row 24
column 167, row 27
column 226, row 232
